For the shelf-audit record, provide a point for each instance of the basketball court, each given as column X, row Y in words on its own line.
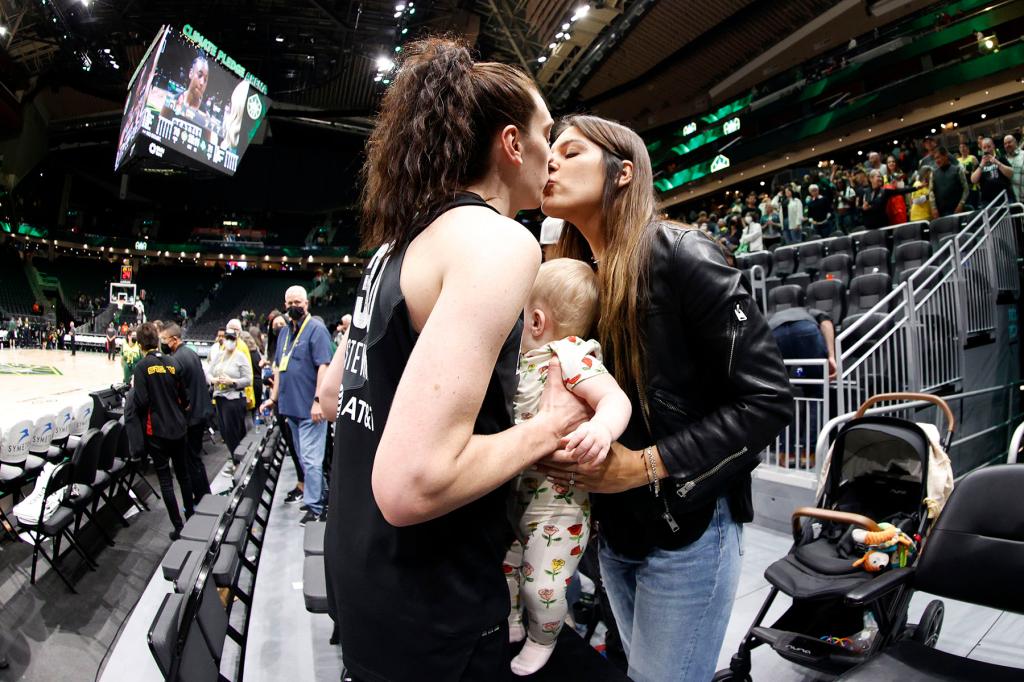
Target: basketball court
column 33, row 377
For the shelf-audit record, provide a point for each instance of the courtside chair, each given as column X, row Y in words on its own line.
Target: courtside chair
column 104, row 482
column 83, row 466
column 62, row 430
column 15, row 450
column 43, row 433
column 79, row 425
column 57, row 526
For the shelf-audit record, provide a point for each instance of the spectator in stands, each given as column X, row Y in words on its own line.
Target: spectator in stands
column 969, row 162
column 194, row 378
column 158, row 408
column 874, row 202
column 922, row 201
column 819, row 211
column 846, row 205
column 875, row 163
column 892, row 173
column 1015, row 160
column 928, row 159
column 229, row 374
column 771, row 223
column 751, row 207
column 992, row 175
column 752, row 238
column 792, row 210
column 949, row 185
column 111, row 344
column 255, row 358
column 303, row 354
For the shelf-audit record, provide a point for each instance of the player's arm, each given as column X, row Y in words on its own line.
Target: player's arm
column 428, row 461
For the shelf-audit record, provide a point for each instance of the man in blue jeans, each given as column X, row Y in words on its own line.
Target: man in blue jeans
column 301, row 359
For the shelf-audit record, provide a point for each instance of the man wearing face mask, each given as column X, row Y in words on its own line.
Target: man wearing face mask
column 303, row 354
column 194, row 379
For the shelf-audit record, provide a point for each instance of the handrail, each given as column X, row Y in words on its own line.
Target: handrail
column 1015, row 441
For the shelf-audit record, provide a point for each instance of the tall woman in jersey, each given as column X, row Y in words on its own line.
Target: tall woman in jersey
column 416, row 527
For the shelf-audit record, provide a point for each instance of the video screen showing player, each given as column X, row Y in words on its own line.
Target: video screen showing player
column 135, row 105
column 198, row 108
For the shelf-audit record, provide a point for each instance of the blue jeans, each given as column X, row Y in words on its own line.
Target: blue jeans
column 673, row 606
column 310, row 439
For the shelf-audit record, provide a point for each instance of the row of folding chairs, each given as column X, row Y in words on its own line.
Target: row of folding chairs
column 212, row 567
column 79, row 470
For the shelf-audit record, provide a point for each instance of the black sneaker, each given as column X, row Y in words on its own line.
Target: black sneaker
column 307, row 517
column 174, row 534
column 293, row 496
column 323, row 517
column 304, row 508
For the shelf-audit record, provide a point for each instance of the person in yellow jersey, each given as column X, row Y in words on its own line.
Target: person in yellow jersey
column 130, row 354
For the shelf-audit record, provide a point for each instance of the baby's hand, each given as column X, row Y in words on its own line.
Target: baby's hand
column 589, row 443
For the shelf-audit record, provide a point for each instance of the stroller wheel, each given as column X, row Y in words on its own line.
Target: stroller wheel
column 729, row 676
column 927, row 631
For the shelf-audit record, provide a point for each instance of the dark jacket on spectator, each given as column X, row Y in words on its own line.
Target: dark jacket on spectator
column 950, row 187
column 160, row 398
column 875, row 215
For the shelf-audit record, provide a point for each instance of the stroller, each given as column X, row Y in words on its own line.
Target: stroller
column 877, row 470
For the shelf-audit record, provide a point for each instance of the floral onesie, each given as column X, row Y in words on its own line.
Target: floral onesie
column 553, row 520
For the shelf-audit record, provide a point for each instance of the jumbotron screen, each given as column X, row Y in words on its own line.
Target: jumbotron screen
column 188, row 99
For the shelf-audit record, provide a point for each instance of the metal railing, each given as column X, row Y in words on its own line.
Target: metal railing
column 933, row 302
column 976, row 272
column 759, row 286
column 793, row 448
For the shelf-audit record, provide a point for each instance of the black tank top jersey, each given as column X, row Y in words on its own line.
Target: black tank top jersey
column 411, row 603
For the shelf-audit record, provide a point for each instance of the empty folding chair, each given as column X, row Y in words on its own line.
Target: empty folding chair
column 871, row 260
column 809, row 256
column 41, row 443
column 15, row 451
column 195, row 661
column 910, row 255
column 108, row 470
column 828, row 296
column 838, row 245
column 50, row 520
column 83, row 465
column 907, row 232
column 785, row 297
column 866, row 291
column 867, row 239
column 838, row 266
column 941, row 229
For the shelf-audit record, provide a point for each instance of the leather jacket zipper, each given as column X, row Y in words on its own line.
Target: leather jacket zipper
column 670, row 407
column 741, row 317
column 690, row 485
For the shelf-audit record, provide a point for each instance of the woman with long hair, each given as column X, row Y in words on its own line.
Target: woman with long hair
column 417, row 527
column 682, row 334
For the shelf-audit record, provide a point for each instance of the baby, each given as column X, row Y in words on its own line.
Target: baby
column 554, row 520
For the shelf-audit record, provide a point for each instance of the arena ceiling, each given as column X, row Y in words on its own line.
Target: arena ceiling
column 633, row 60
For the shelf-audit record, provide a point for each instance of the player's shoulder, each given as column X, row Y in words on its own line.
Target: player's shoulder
column 479, row 227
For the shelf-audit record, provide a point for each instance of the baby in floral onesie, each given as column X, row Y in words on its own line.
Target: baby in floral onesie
column 554, row 520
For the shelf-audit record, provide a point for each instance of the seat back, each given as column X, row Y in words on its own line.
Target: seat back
column 83, row 415
column 87, row 456
column 837, row 266
column 810, row 255
column 943, row 227
column 110, row 437
column 873, row 259
column 911, row 255
column 15, row 447
column 785, row 297
column 784, row 261
column 62, row 427
column 838, row 245
column 42, row 434
column 976, row 549
column 829, row 296
column 866, row 291
column 925, row 281
column 867, row 239
column 874, row 329
column 907, row 232
column 762, row 258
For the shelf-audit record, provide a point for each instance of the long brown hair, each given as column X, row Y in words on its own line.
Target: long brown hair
column 627, row 216
column 434, row 134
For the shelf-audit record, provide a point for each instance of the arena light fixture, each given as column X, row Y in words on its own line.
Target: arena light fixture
column 279, row 39
column 385, row 63
column 541, row 59
column 580, row 12
column 984, row 116
column 3, row 31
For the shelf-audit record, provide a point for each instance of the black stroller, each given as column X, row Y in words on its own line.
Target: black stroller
column 877, row 470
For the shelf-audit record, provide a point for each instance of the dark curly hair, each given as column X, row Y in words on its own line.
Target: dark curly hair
column 434, row 133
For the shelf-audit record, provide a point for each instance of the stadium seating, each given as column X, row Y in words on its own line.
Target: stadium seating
column 866, row 291
column 167, row 285
column 909, row 255
column 872, row 259
column 837, row 266
column 16, row 297
column 785, row 297
column 259, row 291
column 828, row 296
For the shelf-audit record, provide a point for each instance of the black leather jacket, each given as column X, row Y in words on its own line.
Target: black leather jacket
column 716, row 393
